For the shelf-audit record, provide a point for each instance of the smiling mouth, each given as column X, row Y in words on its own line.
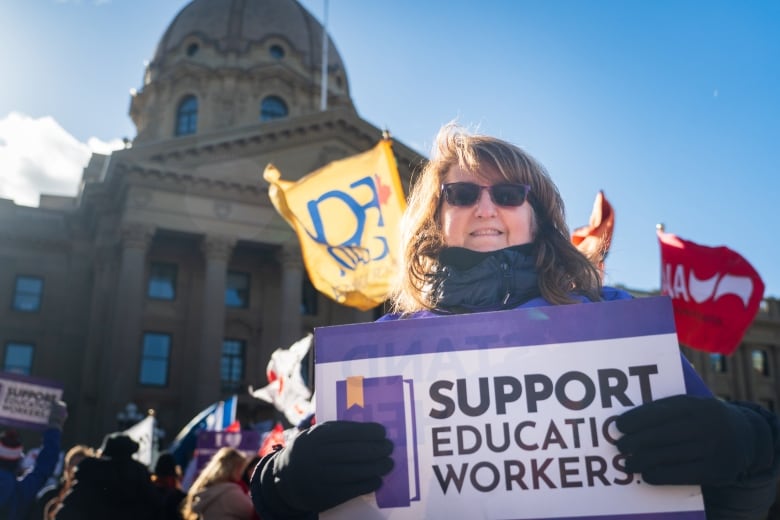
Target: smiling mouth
column 486, row 233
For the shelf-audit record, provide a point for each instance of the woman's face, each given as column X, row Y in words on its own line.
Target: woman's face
column 484, row 226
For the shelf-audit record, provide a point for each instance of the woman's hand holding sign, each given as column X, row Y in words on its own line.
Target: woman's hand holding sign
column 728, row 449
column 696, row 440
column 324, row 466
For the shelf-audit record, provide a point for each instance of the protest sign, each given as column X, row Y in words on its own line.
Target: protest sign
column 209, row 442
column 25, row 401
column 247, row 442
column 507, row 414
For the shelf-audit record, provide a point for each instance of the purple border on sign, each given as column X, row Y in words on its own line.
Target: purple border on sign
column 677, row 515
column 513, row 328
column 22, row 425
column 32, row 379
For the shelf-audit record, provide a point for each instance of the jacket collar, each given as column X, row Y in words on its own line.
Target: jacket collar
column 472, row 281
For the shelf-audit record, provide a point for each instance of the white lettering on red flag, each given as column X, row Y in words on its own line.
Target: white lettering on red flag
column 715, row 293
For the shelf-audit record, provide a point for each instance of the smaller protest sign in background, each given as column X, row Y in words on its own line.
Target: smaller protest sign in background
column 209, row 442
column 25, row 401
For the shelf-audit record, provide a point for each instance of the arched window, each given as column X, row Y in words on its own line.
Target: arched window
column 276, row 51
column 187, row 116
column 273, row 107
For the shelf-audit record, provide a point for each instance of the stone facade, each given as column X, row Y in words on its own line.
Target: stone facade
column 95, row 257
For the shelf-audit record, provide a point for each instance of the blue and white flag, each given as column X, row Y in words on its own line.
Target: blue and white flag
column 216, row 417
column 224, row 415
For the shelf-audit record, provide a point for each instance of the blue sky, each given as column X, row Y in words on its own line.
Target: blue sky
column 672, row 107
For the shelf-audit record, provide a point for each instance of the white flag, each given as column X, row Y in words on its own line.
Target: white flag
column 286, row 389
column 143, row 433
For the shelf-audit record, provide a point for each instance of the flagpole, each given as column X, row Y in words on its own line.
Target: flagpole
column 324, row 90
column 155, row 441
column 660, row 228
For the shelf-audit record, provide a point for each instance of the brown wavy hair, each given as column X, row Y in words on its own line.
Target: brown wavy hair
column 561, row 268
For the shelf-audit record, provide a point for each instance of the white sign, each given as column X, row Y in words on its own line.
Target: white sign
column 507, row 414
column 25, row 402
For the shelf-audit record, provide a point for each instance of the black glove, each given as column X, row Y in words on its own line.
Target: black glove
column 58, row 414
column 695, row 441
column 324, row 466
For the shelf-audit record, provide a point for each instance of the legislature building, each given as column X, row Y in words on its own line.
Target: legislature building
column 169, row 280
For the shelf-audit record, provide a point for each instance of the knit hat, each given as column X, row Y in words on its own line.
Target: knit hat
column 10, row 446
column 118, row 446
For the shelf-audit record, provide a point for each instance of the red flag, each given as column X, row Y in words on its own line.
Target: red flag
column 274, row 438
column 715, row 293
column 594, row 239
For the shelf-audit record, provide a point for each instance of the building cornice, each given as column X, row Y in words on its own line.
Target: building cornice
column 343, row 123
column 151, row 176
column 37, row 228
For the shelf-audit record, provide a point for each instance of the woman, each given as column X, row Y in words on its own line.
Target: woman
column 485, row 230
column 219, row 493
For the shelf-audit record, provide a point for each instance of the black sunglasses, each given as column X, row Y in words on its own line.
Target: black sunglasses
column 465, row 194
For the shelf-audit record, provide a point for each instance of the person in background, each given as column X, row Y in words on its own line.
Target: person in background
column 49, row 487
column 246, row 475
column 50, row 501
column 18, row 493
column 167, row 480
column 219, row 493
column 485, row 230
column 111, row 486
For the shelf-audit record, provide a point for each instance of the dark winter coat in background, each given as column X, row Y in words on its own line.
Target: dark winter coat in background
column 111, row 489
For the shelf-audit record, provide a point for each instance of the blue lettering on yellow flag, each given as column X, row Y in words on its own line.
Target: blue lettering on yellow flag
column 354, row 249
column 346, row 216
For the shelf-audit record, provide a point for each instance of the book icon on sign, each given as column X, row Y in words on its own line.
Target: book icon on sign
column 390, row 402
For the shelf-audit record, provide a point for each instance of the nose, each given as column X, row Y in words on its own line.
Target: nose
column 485, row 206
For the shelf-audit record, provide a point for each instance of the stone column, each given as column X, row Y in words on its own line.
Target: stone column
column 119, row 362
column 99, row 333
column 745, row 352
column 217, row 251
column 736, row 375
column 290, row 322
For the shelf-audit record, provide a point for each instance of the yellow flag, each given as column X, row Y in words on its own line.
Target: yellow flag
column 346, row 216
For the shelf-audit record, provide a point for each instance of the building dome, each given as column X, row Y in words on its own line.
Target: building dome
column 217, row 57
column 234, row 26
